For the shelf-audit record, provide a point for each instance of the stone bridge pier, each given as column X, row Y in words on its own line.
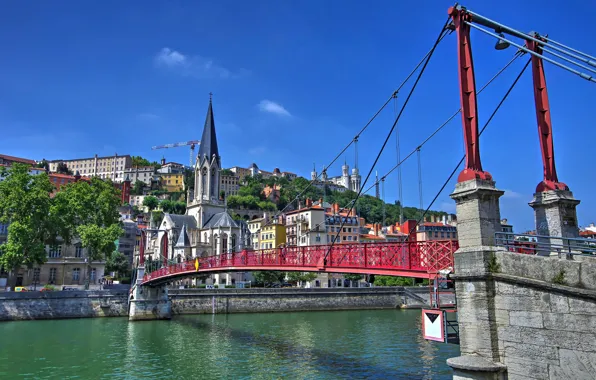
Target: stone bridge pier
column 148, row 302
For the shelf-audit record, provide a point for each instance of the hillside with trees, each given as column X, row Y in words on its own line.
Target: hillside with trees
column 250, row 196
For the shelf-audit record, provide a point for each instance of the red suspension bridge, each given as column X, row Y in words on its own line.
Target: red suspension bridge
column 408, row 259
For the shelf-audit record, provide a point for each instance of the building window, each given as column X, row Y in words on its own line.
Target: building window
column 76, row 274
column 93, row 275
column 52, row 278
column 55, row 251
column 78, row 251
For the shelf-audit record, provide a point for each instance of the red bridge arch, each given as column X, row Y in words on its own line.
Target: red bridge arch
column 407, row 259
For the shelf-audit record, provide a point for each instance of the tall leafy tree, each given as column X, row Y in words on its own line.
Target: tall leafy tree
column 25, row 205
column 89, row 211
column 151, row 202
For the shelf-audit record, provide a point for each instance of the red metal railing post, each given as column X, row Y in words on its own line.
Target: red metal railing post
column 365, row 256
column 303, row 255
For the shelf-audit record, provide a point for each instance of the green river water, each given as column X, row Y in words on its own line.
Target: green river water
column 373, row 344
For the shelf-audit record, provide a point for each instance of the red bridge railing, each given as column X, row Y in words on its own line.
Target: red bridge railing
column 416, row 257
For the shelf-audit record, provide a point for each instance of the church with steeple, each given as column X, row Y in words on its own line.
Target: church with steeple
column 209, row 228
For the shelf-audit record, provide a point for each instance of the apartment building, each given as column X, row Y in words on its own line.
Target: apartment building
column 306, row 226
column 273, row 235
column 7, row 160
column 140, row 173
column 254, row 226
column 172, row 182
column 111, row 167
column 229, row 184
column 170, row 167
column 342, row 225
column 66, row 265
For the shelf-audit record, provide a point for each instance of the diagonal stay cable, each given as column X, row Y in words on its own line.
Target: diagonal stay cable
column 393, row 95
column 439, row 38
column 518, row 54
column 464, row 157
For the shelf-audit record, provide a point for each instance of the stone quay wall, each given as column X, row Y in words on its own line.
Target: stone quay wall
column 534, row 315
column 16, row 306
column 255, row 300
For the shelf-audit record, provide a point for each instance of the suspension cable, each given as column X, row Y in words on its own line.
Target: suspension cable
column 399, row 179
column 565, row 67
column 464, row 157
column 420, row 179
column 518, row 54
column 384, row 205
column 393, row 95
column 442, row 33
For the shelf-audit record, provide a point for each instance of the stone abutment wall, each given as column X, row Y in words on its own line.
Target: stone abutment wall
column 191, row 301
column 536, row 316
column 64, row 304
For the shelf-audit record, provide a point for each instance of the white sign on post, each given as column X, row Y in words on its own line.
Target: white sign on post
column 433, row 325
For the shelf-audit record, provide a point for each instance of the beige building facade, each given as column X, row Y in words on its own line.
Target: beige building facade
column 111, row 167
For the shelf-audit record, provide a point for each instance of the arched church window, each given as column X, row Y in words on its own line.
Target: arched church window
column 234, row 243
column 224, row 243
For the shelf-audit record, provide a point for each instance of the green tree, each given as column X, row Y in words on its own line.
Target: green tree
column 295, row 277
column 353, row 277
column 268, row 277
column 90, row 211
column 227, row 172
column 157, row 217
column 138, row 187
column 150, row 202
column 140, row 161
column 393, row 281
column 43, row 164
column 222, row 195
column 25, row 205
column 118, row 262
column 63, row 169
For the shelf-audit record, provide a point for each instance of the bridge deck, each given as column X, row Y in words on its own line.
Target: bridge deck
column 408, row 259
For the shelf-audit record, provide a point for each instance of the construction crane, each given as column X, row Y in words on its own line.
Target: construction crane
column 192, row 144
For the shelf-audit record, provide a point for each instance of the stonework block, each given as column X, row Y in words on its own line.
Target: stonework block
column 510, row 334
column 526, row 319
column 582, row 306
column 574, row 365
column 559, row 303
column 522, row 303
column 534, row 352
column 569, row 322
column 478, row 212
column 555, row 213
column 520, row 368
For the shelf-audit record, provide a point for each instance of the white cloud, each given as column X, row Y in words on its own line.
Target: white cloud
column 272, row 107
column 193, row 66
column 170, row 58
column 510, row 194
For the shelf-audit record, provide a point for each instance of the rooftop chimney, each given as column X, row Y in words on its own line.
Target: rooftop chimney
column 308, row 202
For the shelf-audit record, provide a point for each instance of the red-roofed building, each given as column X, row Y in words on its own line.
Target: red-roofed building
column 306, row 226
column 9, row 160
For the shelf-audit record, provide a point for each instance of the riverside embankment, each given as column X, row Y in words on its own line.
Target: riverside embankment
column 114, row 303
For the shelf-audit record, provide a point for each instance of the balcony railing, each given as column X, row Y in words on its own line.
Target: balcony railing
column 545, row 245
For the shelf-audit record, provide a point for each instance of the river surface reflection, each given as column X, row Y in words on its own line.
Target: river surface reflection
column 382, row 344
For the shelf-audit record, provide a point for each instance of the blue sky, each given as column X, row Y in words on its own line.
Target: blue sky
column 293, row 81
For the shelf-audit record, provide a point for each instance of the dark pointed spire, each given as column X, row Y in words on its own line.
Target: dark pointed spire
column 209, row 138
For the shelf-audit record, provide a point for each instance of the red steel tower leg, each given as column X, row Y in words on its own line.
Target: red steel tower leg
column 545, row 129
column 469, row 107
